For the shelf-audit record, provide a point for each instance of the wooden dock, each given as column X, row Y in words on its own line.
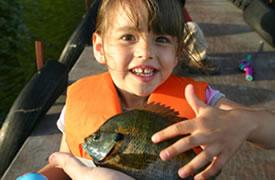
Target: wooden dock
column 229, row 39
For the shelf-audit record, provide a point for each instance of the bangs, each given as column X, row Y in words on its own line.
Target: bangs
column 162, row 16
column 136, row 11
column 169, row 19
column 158, row 14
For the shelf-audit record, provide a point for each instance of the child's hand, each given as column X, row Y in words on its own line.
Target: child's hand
column 76, row 170
column 220, row 133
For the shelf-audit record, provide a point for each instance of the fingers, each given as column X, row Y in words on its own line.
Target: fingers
column 195, row 103
column 68, row 163
column 213, row 169
column 185, row 127
column 182, row 145
column 209, row 155
column 180, row 128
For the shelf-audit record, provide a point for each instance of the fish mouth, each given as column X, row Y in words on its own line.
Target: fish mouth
column 100, row 144
column 144, row 71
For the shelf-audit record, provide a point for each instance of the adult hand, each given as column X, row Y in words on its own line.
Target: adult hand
column 76, row 170
column 219, row 132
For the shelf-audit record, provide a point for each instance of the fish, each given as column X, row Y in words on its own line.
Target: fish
column 124, row 143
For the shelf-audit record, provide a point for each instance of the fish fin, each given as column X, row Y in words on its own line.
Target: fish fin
column 162, row 110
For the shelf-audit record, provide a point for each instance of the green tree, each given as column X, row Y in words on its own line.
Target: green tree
column 21, row 23
column 12, row 35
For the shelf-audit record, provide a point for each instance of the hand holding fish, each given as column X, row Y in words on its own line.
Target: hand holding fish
column 76, row 170
column 217, row 131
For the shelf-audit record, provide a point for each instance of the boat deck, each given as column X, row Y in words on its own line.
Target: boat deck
column 229, row 38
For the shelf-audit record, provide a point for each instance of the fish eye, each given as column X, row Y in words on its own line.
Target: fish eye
column 96, row 136
column 119, row 137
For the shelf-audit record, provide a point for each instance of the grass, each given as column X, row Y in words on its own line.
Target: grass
column 50, row 21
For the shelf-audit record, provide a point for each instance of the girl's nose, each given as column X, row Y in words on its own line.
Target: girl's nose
column 144, row 50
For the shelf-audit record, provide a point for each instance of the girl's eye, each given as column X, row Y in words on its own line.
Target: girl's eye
column 128, row 37
column 163, row 39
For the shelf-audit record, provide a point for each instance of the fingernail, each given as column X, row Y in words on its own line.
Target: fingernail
column 183, row 174
column 198, row 177
column 164, row 155
column 154, row 138
column 51, row 158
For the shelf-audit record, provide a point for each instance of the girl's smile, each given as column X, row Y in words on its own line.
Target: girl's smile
column 144, row 73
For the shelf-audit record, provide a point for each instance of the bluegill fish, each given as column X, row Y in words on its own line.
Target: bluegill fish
column 124, row 143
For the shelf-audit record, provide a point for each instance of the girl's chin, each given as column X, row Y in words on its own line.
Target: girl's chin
column 144, row 89
column 143, row 93
column 136, row 92
column 139, row 92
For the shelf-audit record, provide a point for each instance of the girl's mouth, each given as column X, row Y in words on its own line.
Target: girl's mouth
column 146, row 73
column 143, row 70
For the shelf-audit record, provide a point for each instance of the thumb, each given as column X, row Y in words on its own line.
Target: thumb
column 68, row 163
column 192, row 99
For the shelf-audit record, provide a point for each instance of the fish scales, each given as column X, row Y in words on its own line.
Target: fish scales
column 133, row 152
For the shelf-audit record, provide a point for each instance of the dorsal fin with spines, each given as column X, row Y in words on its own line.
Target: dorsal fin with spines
column 162, row 110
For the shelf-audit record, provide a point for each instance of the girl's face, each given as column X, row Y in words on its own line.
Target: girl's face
column 137, row 59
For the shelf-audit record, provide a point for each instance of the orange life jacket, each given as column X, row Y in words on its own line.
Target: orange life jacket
column 94, row 99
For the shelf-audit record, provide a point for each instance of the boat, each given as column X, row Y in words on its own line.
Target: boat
column 233, row 30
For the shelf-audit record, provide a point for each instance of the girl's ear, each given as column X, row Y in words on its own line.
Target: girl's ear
column 98, row 48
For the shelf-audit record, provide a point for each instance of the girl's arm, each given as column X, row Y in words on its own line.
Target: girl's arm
column 261, row 118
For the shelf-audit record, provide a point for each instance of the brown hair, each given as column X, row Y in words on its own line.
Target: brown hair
column 164, row 16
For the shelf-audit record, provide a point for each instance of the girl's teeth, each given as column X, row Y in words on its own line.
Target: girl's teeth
column 146, row 71
column 138, row 70
column 143, row 72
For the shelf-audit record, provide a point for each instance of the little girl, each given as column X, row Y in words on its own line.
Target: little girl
column 140, row 43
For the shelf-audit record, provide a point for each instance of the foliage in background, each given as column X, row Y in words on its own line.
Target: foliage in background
column 13, row 33
column 23, row 22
